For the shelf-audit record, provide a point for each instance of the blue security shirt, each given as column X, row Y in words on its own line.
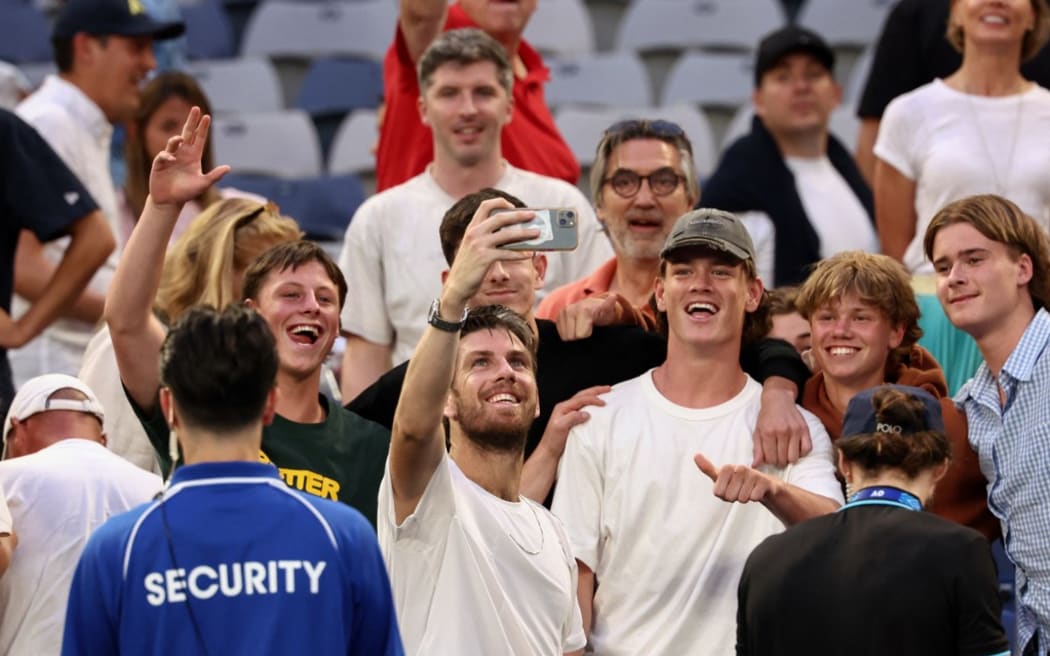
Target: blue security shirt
column 232, row 561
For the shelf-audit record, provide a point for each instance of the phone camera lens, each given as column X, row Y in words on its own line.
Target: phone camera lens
column 563, row 221
column 570, row 215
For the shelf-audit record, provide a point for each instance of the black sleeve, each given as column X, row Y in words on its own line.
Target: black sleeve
column 774, row 357
column 977, row 589
column 742, row 647
column 379, row 401
column 157, row 431
column 896, row 67
column 37, row 190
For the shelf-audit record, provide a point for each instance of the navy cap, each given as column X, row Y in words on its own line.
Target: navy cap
column 860, row 413
column 119, row 17
column 792, row 38
column 712, row 228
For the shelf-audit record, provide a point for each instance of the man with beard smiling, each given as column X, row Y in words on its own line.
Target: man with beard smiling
column 476, row 567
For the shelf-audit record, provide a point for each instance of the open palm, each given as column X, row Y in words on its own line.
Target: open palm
column 176, row 176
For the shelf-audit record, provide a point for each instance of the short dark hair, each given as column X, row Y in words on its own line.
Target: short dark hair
column 500, row 317
column 62, row 50
column 290, row 255
column 219, row 366
column 458, row 217
column 464, row 46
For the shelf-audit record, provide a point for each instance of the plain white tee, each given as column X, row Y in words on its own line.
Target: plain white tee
column 834, row 211
column 57, row 497
column 392, row 255
column 5, row 514
column 666, row 552
column 942, row 139
column 475, row 575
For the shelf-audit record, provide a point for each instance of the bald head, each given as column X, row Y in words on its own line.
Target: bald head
column 43, row 429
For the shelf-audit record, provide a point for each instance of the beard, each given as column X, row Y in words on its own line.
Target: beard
column 499, row 434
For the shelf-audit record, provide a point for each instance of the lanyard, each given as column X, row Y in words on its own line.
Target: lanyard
column 881, row 495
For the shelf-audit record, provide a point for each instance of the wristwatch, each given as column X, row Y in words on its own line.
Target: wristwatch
column 434, row 318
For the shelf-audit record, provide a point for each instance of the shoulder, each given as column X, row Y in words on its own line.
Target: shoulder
column 42, row 113
column 537, row 190
column 113, row 537
column 345, row 522
column 391, row 203
column 903, row 106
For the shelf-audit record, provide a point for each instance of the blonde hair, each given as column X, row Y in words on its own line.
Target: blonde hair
column 222, row 241
column 1034, row 39
column 1000, row 220
column 878, row 280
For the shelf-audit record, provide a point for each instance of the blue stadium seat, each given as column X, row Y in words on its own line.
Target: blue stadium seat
column 604, row 79
column 281, row 144
column 25, row 33
column 209, row 31
column 322, row 205
column 334, row 87
column 286, row 28
column 239, row 85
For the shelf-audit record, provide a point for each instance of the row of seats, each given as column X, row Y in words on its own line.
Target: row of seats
column 363, row 28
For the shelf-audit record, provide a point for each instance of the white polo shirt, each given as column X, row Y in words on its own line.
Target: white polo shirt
column 76, row 129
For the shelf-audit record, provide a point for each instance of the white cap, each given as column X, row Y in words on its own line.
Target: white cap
column 32, row 398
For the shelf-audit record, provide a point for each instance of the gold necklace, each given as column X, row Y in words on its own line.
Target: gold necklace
column 543, row 534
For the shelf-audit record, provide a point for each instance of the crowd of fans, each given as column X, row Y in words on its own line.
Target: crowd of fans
column 785, row 410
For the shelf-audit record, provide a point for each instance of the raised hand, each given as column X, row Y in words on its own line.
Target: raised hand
column 176, row 176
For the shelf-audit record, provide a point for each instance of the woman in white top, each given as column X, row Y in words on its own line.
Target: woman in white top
column 983, row 129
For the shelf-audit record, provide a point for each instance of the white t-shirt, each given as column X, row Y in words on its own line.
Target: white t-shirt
column 666, row 552
column 474, row 575
column 79, row 133
column 57, row 496
column 5, row 514
column 834, row 211
column 392, row 256
column 941, row 138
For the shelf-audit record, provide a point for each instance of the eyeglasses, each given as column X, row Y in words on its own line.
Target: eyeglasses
column 626, row 183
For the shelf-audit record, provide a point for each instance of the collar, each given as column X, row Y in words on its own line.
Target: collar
column 76, row 102
column 1019, row 366
column 216, row 470
column 601, row 279
column 884, row 495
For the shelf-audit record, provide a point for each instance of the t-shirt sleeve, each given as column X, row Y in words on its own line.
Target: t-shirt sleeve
column 5, row 514
column 896, row 140
column 365, row 313
column 895, row 67
column 92, row 613
column 572, row 634
column 371, row 617
column 37, row 190
column 816, row 472
column 979, row 631
column 578, row 496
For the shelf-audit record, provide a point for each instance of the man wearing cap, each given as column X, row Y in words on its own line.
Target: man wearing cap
column 794, row 185
column 103, row 51
column 61, row 484
column 643, row 484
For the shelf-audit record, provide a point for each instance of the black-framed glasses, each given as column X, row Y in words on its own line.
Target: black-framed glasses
column 626, row 183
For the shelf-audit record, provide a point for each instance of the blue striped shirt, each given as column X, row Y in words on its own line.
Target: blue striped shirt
column 1013, row 443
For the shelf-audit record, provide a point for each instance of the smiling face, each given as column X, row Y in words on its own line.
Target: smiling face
column 493, row 397
column 796, row 96
column 466, row 108
column 993, row 22
column 981, row 284
column 301, row 306
column 706, row 295
column 852, row 341
column 110, row 69
column 638, row 226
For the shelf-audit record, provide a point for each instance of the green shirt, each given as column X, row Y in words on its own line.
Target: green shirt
column 341, row 458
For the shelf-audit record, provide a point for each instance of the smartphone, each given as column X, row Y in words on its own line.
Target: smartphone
column 557, row 226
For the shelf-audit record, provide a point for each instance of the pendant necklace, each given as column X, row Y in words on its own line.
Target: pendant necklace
column 1000, row 183
column 543, row 535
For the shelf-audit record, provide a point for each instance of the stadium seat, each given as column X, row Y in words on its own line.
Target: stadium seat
column 284, row 28
column 239, row 85
column 25, row 33
column 583, row 128
column 280, row 144
column 209, row 32
column 333, row 87
column 681, row 24
column 322, row 205
column 605, row 79
column 724, row 80
column 852, row 23
column 561, row 27
column 352, row 147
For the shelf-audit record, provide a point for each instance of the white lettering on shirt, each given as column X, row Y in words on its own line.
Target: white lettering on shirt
column 232, row 580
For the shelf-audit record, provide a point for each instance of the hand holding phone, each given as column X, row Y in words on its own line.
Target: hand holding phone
column 557, row 226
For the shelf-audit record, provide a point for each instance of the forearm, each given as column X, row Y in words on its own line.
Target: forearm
column 791, row 504
column 865, row 152
column 538, row 474
column 134, row 286
column 363, row 363
column 895, row 215
column 420, row 22
column 34, row 274
column 7, row 547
